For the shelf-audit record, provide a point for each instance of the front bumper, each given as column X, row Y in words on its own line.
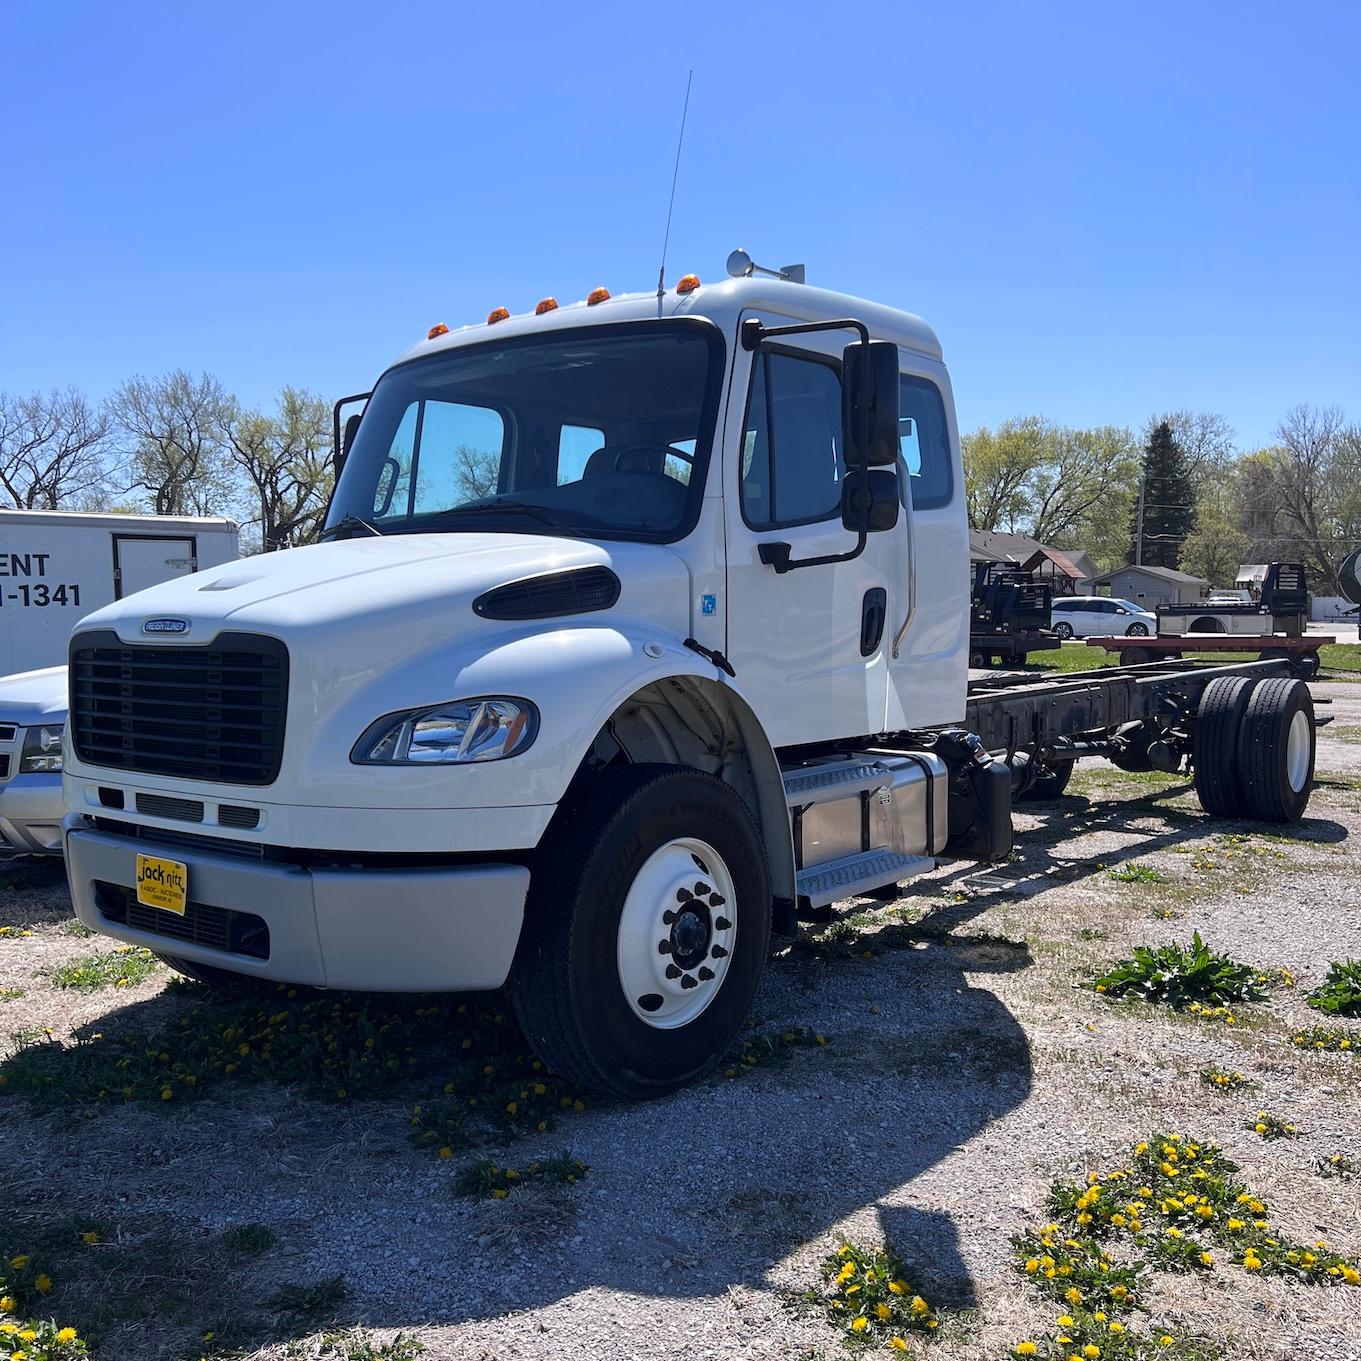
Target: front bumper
column 31, row 810
column 437, row 929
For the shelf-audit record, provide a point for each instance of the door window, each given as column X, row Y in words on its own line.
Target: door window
column 792, row 466
column 576, row 443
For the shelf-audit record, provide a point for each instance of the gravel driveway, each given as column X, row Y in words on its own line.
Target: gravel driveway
column 964, row 1068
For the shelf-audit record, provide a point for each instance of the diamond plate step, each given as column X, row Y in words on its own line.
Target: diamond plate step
column 844, row 878
column 818, row 784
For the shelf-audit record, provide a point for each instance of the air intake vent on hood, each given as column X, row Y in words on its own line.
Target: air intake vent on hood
column 578, row 591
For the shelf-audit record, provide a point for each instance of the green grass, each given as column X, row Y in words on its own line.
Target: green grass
column 250, row 1239
column 1131, row 872
column 120, row 968
column 1337, row 657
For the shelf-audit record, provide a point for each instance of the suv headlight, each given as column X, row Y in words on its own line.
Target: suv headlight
column 464, row 730
column 42, row 750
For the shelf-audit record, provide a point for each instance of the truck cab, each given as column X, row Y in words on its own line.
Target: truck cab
column 597, row 583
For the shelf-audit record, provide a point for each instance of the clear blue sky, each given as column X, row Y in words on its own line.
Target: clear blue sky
column 1103, row 208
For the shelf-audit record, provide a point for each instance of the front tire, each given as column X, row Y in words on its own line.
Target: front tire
column 1064, row 630
column 1137, row 630
column 646, row 930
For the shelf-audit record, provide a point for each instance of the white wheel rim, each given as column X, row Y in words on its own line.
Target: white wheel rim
column 676, row 933
column 1297, row 751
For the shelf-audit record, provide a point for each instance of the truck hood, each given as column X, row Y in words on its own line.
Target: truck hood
column 368, row 584
column 33, row 696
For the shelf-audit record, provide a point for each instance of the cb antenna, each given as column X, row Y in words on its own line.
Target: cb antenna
column 680, row 142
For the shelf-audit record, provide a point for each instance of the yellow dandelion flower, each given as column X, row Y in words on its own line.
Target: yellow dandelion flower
column 65, row 1336
column 882, row 1310
column 1026, row 1348
column 858, row 1325
column 898, row 1344
column 43, row 1284
column 919, row 1305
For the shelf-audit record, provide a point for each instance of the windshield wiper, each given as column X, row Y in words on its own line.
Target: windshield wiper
column 348, row 522
column 502, row 507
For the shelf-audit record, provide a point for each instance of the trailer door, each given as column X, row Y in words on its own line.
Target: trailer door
column 142, row 560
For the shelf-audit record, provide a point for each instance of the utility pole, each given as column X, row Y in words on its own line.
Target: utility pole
column 1139, row 533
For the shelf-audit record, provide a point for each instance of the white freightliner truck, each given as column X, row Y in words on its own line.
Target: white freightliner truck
column 641, row 630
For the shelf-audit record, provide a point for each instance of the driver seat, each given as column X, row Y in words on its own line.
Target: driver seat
column 630, row 461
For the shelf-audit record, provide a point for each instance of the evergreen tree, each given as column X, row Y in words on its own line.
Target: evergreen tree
column 1169, row 500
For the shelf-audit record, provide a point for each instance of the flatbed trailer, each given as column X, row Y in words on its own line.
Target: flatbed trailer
column 1300, row 653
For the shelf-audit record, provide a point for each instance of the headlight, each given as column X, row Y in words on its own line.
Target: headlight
column 42, row 751
column 464, row 730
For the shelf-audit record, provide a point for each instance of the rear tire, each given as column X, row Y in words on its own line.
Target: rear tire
column 612, row 862
column 1276, row 750
column 1214, row 748
column 1051, row 781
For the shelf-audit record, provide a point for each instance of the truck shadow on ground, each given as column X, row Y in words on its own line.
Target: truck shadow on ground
column 1040, row 861
column 686, row 1197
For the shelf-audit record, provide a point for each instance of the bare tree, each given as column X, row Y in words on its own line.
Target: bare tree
column 289, row 462
column 1312, row 445
column 1207, row 439
column 172, row 442
column 1084, row 484
column 51, row 448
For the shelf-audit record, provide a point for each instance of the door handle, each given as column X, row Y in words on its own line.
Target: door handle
column 873, row 614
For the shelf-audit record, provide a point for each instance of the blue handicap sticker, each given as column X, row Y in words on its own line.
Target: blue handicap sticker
column 708, row 604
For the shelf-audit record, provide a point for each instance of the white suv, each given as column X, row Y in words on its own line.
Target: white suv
column 1083, row 616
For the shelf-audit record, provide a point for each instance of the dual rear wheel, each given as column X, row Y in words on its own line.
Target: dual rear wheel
column 1253, row 748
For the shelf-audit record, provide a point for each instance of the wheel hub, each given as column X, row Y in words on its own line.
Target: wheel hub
column 676, row 933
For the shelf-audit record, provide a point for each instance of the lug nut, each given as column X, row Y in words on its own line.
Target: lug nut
column 668, row 917
column 722, row 924
column 717, row 900
column 701, row 889
column 705, row 973
column 663, row 947
column 688, row 982
column 672, row 971
column 683, row 895
column 718, row 952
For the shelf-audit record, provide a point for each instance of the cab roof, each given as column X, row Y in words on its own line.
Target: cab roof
column 722, row 303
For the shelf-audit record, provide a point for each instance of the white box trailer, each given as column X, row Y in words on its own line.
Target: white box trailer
column 58, row 566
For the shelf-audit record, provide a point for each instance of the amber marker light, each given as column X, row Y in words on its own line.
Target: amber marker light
column 546, row 305
column 688, row 284
column 438, row 329
column 597, row 295
column 497, row 314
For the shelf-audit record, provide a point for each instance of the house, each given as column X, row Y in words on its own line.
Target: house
column 1069, row 570
column 1152, row 586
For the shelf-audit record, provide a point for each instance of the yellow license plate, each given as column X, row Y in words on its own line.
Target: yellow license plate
column 162, row 883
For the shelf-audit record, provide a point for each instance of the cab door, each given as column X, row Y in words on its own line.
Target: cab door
column 809, row 646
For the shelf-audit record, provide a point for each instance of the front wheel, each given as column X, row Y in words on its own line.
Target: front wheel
column 646, row 930
column 1064, row 630
column 1137, row 630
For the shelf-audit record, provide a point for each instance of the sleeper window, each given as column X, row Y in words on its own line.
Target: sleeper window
column 924, row 443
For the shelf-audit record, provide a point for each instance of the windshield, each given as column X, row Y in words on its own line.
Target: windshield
column 597, row 433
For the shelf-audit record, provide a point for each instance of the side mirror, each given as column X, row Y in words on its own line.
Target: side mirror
column 347, row 439
column 869, row 404
column 869, row 500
